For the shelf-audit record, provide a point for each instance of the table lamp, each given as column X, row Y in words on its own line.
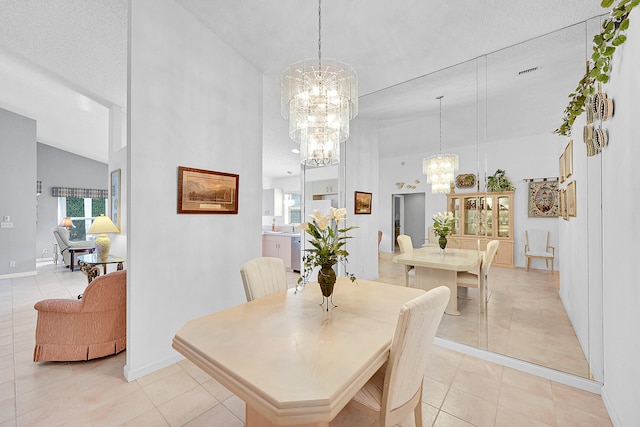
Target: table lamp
column 102, row 225
column 66, row 223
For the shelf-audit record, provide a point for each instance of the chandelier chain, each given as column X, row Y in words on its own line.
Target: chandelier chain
column 319, row 34
column 440, row 99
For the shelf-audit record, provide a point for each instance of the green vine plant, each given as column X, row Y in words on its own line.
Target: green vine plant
column 599, row 67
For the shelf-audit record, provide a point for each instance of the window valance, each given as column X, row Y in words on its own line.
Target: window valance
column 79, row 193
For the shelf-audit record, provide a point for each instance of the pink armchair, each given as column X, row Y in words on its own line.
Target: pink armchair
column 95, row 326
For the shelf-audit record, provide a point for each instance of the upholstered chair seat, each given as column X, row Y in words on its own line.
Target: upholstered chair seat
column 94, row 326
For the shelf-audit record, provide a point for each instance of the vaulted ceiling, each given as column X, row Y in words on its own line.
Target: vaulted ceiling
column 63, row 62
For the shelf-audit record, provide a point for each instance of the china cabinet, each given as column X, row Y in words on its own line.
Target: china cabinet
column 480, row 217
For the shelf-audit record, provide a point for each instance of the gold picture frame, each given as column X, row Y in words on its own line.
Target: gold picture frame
column 114, row 205
column 572, row 210
column 568, row 159
column 362, row 203
column 563, row 204
column 202, row 191
column 561, row 165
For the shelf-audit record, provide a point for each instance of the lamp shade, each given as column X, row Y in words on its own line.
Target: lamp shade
column 67, row 223
column 102, row 224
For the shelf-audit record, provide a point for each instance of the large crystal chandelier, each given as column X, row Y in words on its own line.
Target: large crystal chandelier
column 319, row 97
column 440, row 168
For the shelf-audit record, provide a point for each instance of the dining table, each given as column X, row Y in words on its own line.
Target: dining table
column 435, row 267
column 290, row 360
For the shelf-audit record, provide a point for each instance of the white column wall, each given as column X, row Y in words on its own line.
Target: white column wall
column 621, row 234
column 193, row 102
column 361, row 174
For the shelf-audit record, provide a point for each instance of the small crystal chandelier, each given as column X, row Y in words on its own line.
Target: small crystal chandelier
column 441, row 168
column 319, row 97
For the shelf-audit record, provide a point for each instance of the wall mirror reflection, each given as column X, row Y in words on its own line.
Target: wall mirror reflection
column 499, row 112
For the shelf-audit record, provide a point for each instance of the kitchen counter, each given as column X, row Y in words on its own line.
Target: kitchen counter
column 282, row 233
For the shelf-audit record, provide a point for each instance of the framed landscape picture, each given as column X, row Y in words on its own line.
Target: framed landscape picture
column 207, row 192
column 114, row 208
column 363, row 203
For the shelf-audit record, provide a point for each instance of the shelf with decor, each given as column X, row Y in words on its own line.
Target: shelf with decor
column 480, row 217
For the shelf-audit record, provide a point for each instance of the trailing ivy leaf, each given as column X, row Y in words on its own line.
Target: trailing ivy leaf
column 594, row 73
column 619, row 40
column 603, row 78
column 609, row 51
column 606, row 3
column 624, row 25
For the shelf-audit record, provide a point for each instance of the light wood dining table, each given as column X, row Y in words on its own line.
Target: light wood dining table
column 434, row 269
column 292, row 362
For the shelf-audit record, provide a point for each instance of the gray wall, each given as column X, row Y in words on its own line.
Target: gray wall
column 58, row 168
column 17, row 193
column 414, row 213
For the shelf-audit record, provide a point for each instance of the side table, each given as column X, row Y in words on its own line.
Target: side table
column 89, row 264
column 74, row 251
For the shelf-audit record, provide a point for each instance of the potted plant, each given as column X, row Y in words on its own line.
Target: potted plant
column 498, row 182
column 327, row 247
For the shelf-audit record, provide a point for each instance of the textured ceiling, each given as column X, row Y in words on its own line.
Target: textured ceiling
column 80, row 45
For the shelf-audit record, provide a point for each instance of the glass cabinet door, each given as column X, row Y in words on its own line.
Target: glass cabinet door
column 487, row 216
column 454, row 208
column 504, row 213
column 474, row 224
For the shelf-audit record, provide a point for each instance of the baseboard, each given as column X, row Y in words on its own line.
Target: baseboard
column 134, row 374
column 521, row 365
column 14, row 275
column 613, row 415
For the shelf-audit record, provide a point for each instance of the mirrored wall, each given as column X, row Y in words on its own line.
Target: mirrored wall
column 498, row 113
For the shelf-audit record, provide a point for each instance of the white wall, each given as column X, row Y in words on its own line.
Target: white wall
column 527, row 157
column 193, row 102
column 621, row 234
column 361, row 174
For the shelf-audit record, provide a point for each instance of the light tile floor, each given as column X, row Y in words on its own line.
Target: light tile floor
column 459, row 390
column 525, row 318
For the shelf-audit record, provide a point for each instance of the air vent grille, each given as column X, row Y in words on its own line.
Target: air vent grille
column 528, row 70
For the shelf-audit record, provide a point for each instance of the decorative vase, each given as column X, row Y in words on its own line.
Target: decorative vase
column 326, row 279
column 442, row 241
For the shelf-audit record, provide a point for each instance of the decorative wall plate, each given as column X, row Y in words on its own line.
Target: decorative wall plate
column 465, row 180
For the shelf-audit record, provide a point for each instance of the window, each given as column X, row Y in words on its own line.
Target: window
column 292, row 213
column 82, row 211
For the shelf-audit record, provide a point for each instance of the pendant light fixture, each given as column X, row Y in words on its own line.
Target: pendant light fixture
column 441, row 168
column 319, row 98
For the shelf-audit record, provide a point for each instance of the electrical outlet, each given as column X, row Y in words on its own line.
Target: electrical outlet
column 12, row 264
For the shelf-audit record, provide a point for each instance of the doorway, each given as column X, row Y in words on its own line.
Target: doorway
column 408, row 218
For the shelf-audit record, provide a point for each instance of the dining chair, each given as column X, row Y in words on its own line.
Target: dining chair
column 263, row 276
column 406, row 247
column 396, row 389
column 537, row 246
column 470, row 279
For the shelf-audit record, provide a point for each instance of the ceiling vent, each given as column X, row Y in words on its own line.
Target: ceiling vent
column 527, row 71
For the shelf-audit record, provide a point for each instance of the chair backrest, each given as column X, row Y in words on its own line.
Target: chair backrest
column 405, row 243
column 263, row 276
column 537, row 240
column 410, row 348
column 106, row 293
column 62, row 237
column 490, row 253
